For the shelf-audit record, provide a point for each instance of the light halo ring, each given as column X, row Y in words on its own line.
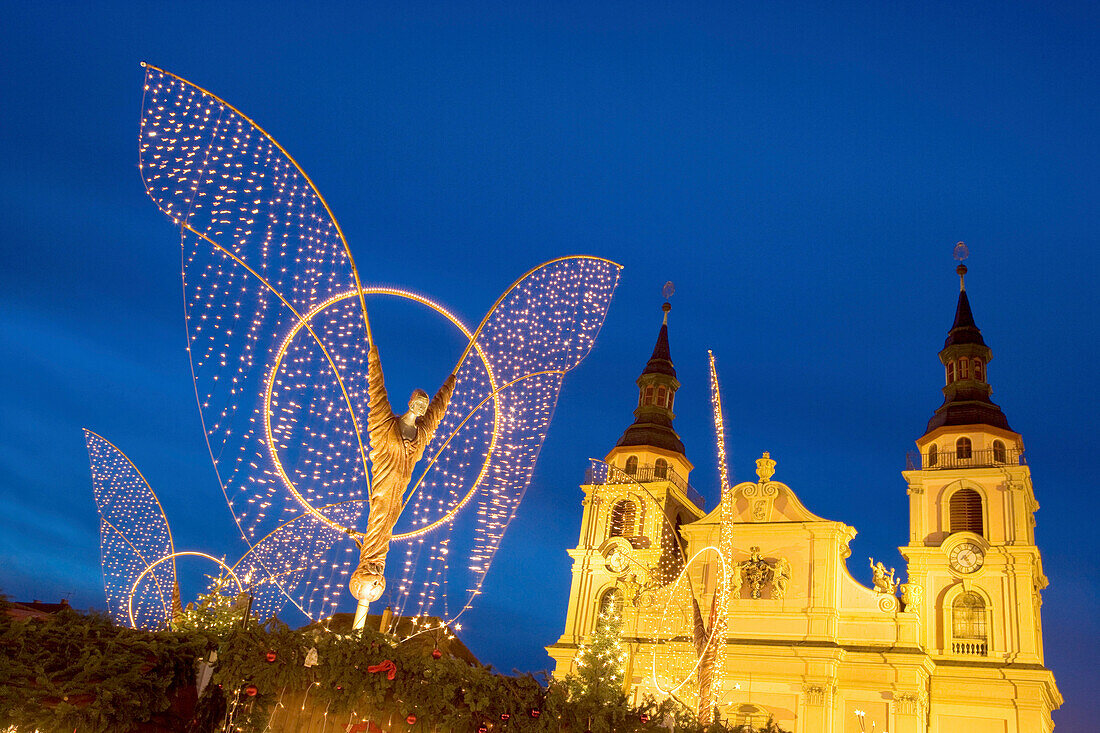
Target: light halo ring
column 664, row 614
column 268, row 412
column 173, row 556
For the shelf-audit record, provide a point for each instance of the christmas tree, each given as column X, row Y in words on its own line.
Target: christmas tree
column 215, row 612
column 601, row 658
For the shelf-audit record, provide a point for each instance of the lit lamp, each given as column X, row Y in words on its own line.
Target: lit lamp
column 861, row 715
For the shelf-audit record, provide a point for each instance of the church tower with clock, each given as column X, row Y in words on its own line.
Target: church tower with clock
column 955, row 647
column 975, row 573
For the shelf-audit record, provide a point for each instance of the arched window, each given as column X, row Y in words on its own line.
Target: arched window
column 965, row 512
column 622, row 519
column 968, row 625
column 963, row 448
column 610, row 599
column 668, row 403
column 750, row 716
column 660, row 468
column 1000, row 455
column 964, row 368
column 662, row 395
column 978, row 370
column 631, row 465
column 933, row 455
column 647, row 399
column 950, row 372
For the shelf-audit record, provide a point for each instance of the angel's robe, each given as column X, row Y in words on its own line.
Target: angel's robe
column 393, row 458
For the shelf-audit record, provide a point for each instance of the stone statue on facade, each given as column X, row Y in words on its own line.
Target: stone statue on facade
column 781, row 577
column 397, row 442
column 631, row 588
column 884, row 581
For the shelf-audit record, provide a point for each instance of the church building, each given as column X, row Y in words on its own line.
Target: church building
column 955, row 648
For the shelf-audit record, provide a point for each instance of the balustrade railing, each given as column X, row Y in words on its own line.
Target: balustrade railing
column 645, row 475
column 954, row 458
column 970, row 648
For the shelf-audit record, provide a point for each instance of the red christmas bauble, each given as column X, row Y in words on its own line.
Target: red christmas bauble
column 483, row 729
column 505, row 716
column 644, row 718
column 251, row 690
column 271, row 656
column 534, row 712
column 436, row 654
column 411, row 720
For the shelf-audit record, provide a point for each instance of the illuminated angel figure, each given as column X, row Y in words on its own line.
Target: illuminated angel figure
column 281, row 347
column 397, row 443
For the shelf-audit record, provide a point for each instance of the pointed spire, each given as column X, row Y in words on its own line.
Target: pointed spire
column 657, row 387
column 661, row 360
column 963, row 330
column 965, row 357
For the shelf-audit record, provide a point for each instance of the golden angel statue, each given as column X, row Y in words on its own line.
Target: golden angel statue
column 325, row 481
column 397, row 443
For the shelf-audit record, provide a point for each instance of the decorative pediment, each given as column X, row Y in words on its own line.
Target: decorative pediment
column 772, row 501
column 764, row 500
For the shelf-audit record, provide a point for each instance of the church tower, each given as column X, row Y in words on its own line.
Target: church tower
column 975, row 573
column 634, row 504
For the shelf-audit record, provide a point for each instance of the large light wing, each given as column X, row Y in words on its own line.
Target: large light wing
column 133, row 536
column 277, row 328
column 484, row 452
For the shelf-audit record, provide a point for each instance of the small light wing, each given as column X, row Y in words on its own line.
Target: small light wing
column 134, row 535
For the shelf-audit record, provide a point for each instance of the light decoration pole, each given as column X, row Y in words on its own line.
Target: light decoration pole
column 279, row 338
column 714, row 655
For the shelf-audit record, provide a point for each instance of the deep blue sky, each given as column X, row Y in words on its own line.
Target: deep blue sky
column 800, row 174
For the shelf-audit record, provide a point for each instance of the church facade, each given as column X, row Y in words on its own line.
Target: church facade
column 957, row 647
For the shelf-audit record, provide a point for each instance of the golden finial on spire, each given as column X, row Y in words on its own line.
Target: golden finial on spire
column 668, row 291
column 961, row 253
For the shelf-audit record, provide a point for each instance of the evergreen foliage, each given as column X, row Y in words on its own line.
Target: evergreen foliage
column 80, row 672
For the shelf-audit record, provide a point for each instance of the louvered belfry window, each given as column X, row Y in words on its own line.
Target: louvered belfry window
column 966, row 511
column 622, row 519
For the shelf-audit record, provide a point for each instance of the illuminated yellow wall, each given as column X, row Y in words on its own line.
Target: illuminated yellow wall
column 831, row 646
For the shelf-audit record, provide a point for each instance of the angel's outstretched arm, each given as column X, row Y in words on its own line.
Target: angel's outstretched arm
column 438, row 406
column 380, row 411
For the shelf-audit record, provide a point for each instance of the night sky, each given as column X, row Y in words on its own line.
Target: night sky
column 801, row 175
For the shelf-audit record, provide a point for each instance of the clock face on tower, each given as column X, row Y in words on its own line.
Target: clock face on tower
column 966, row 558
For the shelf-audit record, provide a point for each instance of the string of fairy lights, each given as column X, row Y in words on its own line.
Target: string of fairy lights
column 709, row 694
column 278, row 334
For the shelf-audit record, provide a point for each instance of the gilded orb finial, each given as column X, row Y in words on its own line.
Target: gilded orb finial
column 961, row 253
column 668, row 290
column 765, row 467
